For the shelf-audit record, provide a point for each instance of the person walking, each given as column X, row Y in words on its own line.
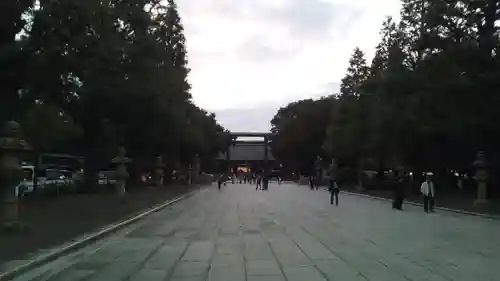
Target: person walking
column 265, row 182
column 399, row 184
column 427, row 190
column 220, row 180
column 259, row 182
column 333, row 187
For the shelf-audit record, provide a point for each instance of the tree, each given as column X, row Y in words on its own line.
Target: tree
column 300, row 129
column 12, row 57
column 118, row 70
column 49, row 129
column 345, row 135
column 357, row 73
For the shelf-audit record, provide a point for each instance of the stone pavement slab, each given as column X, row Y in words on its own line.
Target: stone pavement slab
column 288, row 233
column 263, row 267
column 266, row 278
column 303, row 273
column 236, row 273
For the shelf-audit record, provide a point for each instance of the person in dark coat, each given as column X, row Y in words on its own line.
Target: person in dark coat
column 399, row 185
column 311, row 182
column 333, row 187
column 259, row 182
column 265, row 182
column 221, row 180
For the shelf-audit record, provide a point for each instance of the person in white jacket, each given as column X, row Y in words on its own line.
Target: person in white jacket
column 427, row 190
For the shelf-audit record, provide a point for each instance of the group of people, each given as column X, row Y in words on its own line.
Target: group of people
column 399, row 186
column 313, row 182
column 251, row 178
column 260, row 183
column 333, row 187
column 426, row 189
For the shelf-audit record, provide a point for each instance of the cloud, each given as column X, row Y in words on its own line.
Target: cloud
column 255, row 119
column 331, row 88
column 312, row 19
column 260, row 48
column 245, row 53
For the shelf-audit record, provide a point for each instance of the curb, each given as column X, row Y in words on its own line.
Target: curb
column 487, row 216
column 53, row 255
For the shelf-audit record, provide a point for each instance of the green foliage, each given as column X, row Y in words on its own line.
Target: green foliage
column 12, row 56
column 57, row 129
column 99, row 74
column 357, row 73
column 428, row 100
column 300, row 131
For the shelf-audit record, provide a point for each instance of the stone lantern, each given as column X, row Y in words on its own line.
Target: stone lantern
column 11, row 172
column 197, row 167
column 481, row 165
column 121, row 173
column 159, row 173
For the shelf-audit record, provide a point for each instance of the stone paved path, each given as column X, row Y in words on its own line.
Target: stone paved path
column 288, row 233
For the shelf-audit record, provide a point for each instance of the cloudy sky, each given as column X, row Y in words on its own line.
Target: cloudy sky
column 249, row 57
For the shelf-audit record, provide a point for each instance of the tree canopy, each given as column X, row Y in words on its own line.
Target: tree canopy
column 428, row 100
column 94, row 75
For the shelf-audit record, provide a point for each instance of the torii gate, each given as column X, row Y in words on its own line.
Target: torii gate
column 265, row 142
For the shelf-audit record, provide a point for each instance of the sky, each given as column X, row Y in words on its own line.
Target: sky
column 250, row 57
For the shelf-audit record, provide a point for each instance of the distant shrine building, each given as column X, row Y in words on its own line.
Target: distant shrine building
column 247, row 156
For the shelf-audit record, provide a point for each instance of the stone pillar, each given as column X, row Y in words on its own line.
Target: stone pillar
column 190, row 174
column 159, row 173
column 481, row 166
column 228, row 158
column 265, row 179
column 121, row 173
column 11, row 173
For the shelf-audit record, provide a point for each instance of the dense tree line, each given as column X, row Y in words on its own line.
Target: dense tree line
column 85, row 77
column 428, row 100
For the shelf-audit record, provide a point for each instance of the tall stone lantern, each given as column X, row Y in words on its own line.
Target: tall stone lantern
column 11, row 172
column 121, row 173
column 197, row 168
column 481, row 165
column 159, row 173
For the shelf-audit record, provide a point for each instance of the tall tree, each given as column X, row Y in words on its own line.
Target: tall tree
column 357, row 73
column 12, row 57
column 119, row 69
column 300, row 129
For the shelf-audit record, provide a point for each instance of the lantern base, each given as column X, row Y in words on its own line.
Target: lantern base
column 120, row 188
column 482, row 202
